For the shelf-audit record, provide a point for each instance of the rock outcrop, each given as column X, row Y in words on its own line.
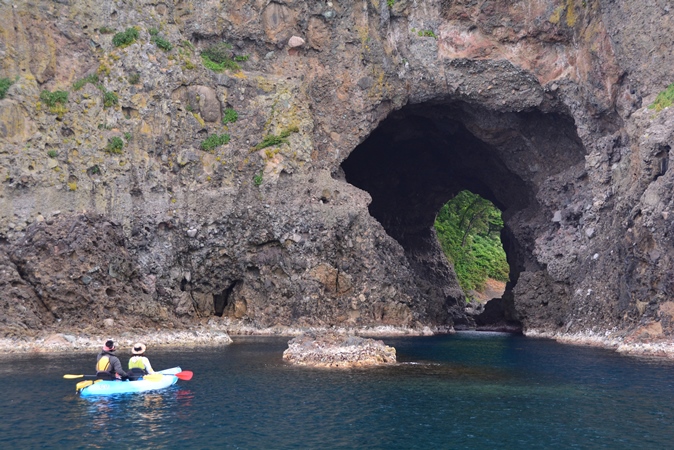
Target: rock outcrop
column 92, row 343
column 338, row 351
column 296, row 183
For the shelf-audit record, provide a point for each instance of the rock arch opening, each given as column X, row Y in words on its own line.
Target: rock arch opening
column 422, row 155
column 469, row 231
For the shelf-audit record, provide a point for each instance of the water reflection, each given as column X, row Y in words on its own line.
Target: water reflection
column 148, row 417
column 100, row 415
column 184, row 397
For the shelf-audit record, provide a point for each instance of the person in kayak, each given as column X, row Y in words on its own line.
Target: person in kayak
column 139, row 365
column 108, row 366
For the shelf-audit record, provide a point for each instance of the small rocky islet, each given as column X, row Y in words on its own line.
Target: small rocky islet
column 338, row 351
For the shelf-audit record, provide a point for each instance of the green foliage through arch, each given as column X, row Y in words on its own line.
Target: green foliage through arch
column 468, row 228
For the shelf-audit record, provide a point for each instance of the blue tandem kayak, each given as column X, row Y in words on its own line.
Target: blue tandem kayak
column 105, row 387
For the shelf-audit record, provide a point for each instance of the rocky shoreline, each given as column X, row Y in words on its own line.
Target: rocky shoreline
column 657, row 348
column 59, row 341
column 211, row 334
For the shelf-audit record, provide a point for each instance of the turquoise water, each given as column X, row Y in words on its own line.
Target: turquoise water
column 465, row 391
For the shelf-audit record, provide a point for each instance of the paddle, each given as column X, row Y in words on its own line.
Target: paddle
column 151, row 377
column 82, row 384
column 184, row 375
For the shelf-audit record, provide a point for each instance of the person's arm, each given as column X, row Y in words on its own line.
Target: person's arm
column 117, row 365
column 148, row 366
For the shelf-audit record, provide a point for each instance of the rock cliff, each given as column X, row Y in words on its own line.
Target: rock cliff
column 291, row 178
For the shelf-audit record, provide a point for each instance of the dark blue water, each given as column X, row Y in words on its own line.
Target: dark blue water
column 466, row 391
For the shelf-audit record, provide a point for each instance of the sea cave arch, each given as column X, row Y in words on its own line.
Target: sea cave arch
column 422, row 155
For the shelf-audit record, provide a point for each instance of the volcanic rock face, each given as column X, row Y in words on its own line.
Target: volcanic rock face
column 376, row 114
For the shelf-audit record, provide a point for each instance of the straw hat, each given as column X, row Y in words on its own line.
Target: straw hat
column 138, row 349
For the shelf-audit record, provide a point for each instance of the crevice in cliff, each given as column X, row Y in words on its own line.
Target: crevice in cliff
column 663, row 161
column 221, row 301
column 423, row 155
column 25, row 277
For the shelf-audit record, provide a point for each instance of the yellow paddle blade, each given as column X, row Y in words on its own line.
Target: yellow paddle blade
column 153, row 377
column 70, row 377
column 82, row 384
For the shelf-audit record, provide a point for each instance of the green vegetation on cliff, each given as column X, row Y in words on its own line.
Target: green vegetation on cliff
column 664, row 99
column 468, row 228
column 134, row 78
column 56, row 101
column 219, row 57
column 115, row 145
column 5, row 83
column 272, row 139
column 79, row 84
column 51, row 99
column 257, row 179
column 427, row 33
column 159, row 41
column 125, row 38
column 110, row 99
column 230, row 116
column 214, row 140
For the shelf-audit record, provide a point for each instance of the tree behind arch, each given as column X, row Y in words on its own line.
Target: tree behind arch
column 468, row 228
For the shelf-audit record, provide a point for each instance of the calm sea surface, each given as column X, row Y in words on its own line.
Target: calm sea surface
column 465, row 391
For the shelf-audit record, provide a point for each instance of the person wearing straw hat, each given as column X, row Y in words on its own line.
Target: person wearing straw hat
column 108, row 366
column 139, row 364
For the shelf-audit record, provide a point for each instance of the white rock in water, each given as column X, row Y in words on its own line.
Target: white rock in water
column 331, row 350
column 295, row 41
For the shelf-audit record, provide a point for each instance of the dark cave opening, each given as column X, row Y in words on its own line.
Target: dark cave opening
column 423, row 155
column 221, row 301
